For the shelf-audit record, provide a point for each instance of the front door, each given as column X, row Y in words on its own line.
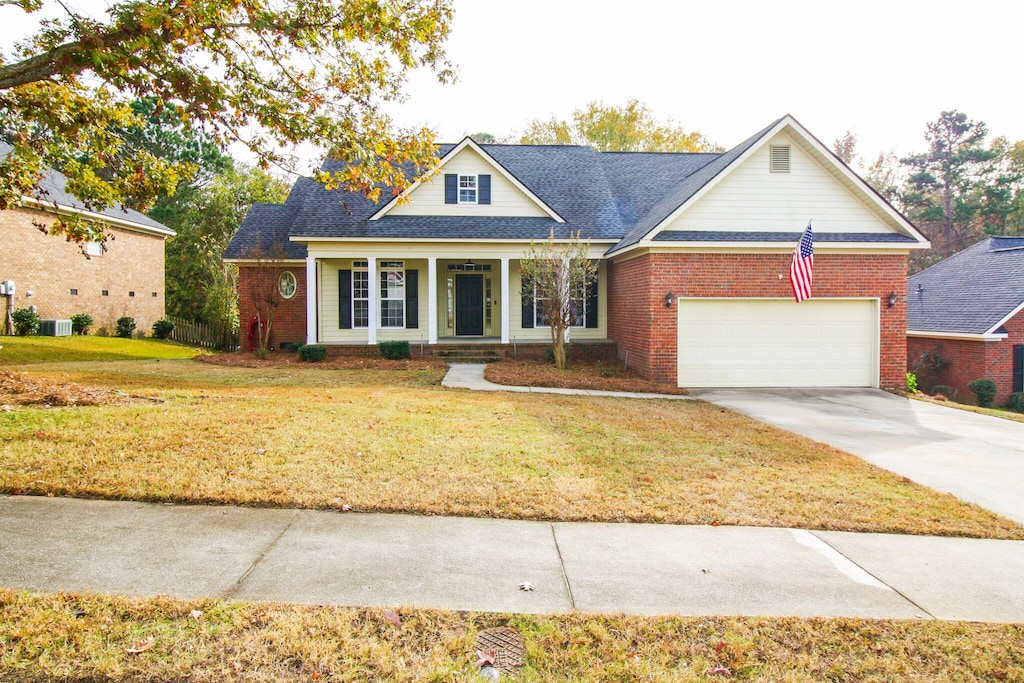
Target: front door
column 469, row 305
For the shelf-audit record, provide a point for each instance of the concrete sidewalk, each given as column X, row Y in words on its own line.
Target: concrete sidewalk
column 141, row 549
column 471, row 376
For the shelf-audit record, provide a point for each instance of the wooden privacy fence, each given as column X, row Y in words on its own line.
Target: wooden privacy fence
column 205, row 335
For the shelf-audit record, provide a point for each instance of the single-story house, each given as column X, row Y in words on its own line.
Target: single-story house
column 969, row 310
column 123, row 277
column 693, row 254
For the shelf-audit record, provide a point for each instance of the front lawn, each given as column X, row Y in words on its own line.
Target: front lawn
column 94, row 638
column 23, row 350
column 389, row 439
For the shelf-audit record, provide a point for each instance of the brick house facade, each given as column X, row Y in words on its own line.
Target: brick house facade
column 674, row 235
column 52, row 274
column 969, row 310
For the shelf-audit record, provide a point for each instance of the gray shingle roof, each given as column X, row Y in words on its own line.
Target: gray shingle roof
column 606, row 196
column 54, row 186
column 686, row 189
column 969, row 292
column 792, row 237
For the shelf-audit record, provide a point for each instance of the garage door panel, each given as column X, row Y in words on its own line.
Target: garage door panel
column 776, row 343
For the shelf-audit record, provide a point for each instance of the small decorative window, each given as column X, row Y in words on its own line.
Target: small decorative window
column 287, row 284
column 94, row 249
column 779, row 158
column 467, row 189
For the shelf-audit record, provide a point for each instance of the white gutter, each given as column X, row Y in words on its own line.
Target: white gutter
column 97, row 217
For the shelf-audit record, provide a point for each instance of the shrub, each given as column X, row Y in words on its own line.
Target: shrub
column 985, row 390
column 162, row 328
column 1016, row 401
column 80, row 323
column 125, row 326
column 395, row 350
column 945, row 390
column 911, row 383
column 25, row 321
column 312, row 353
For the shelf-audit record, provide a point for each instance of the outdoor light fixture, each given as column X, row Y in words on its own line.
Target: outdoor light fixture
column 668, row 300
column 892, row 299
column 469, row 263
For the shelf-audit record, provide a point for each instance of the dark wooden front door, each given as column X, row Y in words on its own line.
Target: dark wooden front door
column 469, row 305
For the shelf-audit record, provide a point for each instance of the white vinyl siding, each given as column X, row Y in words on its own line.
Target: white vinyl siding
column 778, row 343
column 506, row 198
column 753, row 199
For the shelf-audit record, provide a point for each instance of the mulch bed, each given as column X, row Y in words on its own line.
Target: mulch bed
column 599, row 376
column 21, row 389
column 279, row 359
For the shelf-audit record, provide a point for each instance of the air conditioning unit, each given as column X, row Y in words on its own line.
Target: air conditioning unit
column 55, row 328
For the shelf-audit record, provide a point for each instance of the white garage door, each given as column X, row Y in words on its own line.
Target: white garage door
column 777, row 343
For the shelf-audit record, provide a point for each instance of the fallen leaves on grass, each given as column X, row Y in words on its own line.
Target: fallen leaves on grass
column 22, row 389
column 598, row 376
column 292, row 643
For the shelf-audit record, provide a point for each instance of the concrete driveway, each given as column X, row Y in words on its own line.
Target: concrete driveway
column 975, row 457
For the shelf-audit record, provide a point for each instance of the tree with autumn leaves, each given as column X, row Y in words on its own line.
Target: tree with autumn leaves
column 269, row 75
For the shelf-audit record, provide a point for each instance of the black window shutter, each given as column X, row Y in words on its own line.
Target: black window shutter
column 1018, row 367
column 527, row 294
column 484, row 186
column 451, row 188
column 412, row 299
column 591, row 322
column 345, row 299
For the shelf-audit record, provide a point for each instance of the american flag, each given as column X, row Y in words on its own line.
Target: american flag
column 801, row 273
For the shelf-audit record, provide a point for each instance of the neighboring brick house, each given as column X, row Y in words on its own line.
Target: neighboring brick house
column 693, row 255
column 126, row 277
column 969, row 309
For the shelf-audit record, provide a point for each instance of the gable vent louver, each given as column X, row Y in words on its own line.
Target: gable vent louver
column 779, row 159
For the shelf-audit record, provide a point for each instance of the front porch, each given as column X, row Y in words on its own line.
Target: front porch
column 395, row 295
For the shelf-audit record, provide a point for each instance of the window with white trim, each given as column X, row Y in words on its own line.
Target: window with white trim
column 579, row 306
column 467, row 189
column 360, row 294
column 94, row 249
column 287, row 284
column 392, row 294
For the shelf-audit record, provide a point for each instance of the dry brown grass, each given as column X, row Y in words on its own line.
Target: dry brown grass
column 17, row 388
column 391, row 440
column 601, row 376
column 87, row 637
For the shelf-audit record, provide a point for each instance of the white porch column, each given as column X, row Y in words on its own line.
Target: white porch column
column 432, row 300
column 373, row 317
column 311, row 298
column 505, row 299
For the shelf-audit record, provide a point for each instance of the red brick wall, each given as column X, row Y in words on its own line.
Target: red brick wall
column 640, row 323
column 50, row 267
column 254, row 284
column 970, row 360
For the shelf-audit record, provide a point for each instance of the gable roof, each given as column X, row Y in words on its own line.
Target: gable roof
column 468, row 142
column 972, row 292
column 53, row 185
column 651, row 226
column 623, row 199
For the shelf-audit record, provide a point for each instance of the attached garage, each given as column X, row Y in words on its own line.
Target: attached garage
column 778, row 343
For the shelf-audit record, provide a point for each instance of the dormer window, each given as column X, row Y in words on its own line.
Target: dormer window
column 467, row 189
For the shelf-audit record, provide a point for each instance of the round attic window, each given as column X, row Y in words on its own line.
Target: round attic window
column 287, row 284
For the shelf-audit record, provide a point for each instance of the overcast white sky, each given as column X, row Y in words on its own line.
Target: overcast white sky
column 728, row 68
column 725, row 67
